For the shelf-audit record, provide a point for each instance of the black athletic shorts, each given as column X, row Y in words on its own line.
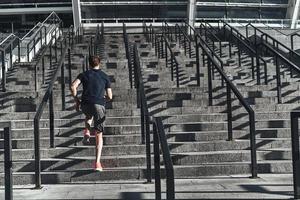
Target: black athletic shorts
column 96, row 111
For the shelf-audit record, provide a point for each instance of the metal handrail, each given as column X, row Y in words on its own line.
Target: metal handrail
column 39, row 24
column 274, row 41
column 245, row 42
column 284, row 60
column 167, row 30
column 160, row 139
column 282, row 33
column 8, row 180
column 214, row 36
column 48, row 96
column 41, row 58
column 35, row 40
column 292, row 39
column 144, row 111
column 246, row 20
column 230, row 86
column 295, row 115
column 210, row 26
column 128, row 56
column 12, row 39
column 174, row 61
column 277, row 55
column 136, row 72
column 278, row 44
column 159, row 136
column 185, row 40
column 211, row 55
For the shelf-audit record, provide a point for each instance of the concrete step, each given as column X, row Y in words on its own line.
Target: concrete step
column 68, row 114
column 74, row 140
column 223, row 145
column 77, row 151
column 221, row 109
column 77, row 163
column 192, row 158
column 218, row 126
column 44, row 123
column 138, row 173
column 191, row 136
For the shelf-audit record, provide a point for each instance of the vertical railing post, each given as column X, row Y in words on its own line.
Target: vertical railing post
column 63, row 85
column 51, row 119
column 41, row 36
column 19, row 50
column 50, row 52
column 166, row 58
column 37, row 154
column 177, row 73
column 69, row 67
column 172, row 67
column 278, row 78
column 292, row 42
column 210, row 103
column 155, row 44
column 34, row 47
column 45, row 35
column 35, row 77
column 43, row 69
column 148, row 147
column 197, row 61
column 266, row 73
column 257, row 70
column 229, row 112
column 252, row 68
column 239, row 53
column 8, row 164
column 253, row 144
column 55, row 46
column 295, row 154
column 3, row 71
column 190, row 49
column 10, row 56
column 185, row 46
column 157, row 163
column 220, row 46
column 28, row 52
column 142, row 112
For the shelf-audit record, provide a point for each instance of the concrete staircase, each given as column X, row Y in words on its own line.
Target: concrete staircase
column 71, row 161
column 196, row 132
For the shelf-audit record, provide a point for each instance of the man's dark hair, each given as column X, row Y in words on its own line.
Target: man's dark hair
column 94, row 61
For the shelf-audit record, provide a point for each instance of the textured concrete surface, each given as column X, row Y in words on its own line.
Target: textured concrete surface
column 267, row 186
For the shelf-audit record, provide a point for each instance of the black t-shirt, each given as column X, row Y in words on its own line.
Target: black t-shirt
column 94, row 82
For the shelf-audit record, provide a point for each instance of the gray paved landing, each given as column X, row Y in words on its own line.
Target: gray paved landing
column 225, row 187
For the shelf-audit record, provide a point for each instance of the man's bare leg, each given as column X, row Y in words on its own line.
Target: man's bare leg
column 99, row 146
column 87, row 132
column 88, row 122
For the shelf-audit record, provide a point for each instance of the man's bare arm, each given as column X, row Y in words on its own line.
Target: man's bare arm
column 74, row 87
column 109, row 95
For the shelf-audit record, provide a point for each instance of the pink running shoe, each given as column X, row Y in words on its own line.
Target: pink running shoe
column 86, row 136
column 98, row 167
